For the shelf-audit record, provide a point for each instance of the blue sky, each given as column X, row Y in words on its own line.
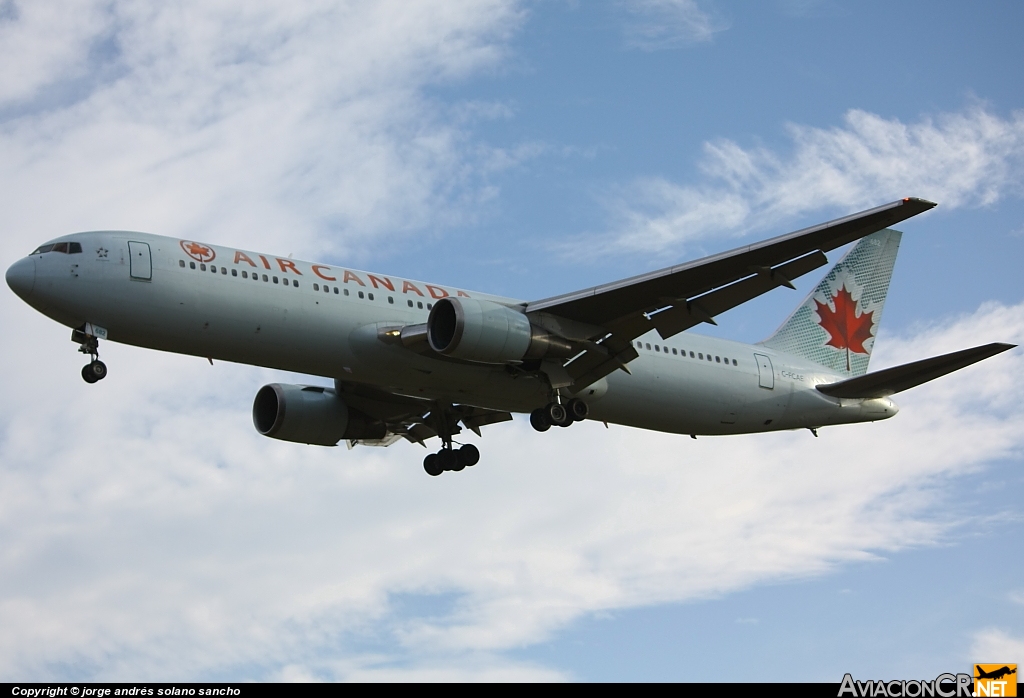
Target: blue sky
column 525, row 149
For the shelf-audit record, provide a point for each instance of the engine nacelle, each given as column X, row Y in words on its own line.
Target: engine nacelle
column 476, row 330
column 310, row 415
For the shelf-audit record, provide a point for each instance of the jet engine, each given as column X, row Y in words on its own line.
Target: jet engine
column 477, row 330
column 307, row 414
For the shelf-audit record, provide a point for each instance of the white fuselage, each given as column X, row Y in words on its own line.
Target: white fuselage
column 241, row 306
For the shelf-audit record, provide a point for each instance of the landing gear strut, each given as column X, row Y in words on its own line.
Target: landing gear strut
column 449, row 457
column 558, row 414
column 95, row 370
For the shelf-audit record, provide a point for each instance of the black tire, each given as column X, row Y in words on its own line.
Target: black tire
column 87, row 374
column 469, row 455
column 449, row 460
column 432, row 465
column 539, row 420
column 557, row 415
column 578, row 409
column 98, row 369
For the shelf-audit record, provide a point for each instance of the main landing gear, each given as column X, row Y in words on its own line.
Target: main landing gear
column 559, row 414
column 449, row 458
column 95, row 370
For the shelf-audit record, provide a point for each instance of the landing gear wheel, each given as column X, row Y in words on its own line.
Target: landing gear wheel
column 95, row 371
column 432, row 465
column 449, row 460
column 539, row 420
column 557, row 415
column 577, row 409
column 469, row 455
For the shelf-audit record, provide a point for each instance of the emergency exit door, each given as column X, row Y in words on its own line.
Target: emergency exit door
column 140, row 262
column 765, row 372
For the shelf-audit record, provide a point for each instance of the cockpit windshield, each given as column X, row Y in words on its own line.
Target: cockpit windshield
column 65, row 247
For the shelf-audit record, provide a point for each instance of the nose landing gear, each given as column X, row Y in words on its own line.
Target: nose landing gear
column 89, row 344
column 94, row 371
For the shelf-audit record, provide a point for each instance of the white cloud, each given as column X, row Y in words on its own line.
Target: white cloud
column 149, row 531
column 971, row 158
column 306, row 123
column 664, row 24
column 996, row 645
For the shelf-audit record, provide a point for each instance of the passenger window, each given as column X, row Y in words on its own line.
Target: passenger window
column 360, row 294
column 191, row 265
column 181, row 263
column 429, row 306
column 213, row 269
column 709, row 357
column 202, row 267
column 335, row 290
column 648, row 347
column 295, row 283
column 370, row 296
column 419, row 304
column 691, row 354
column 346, row 291
column 734, row 362
column 76, row 248
column 316, row 287
column 673, row 351
column 410, row 303
column 391, row 300
column 700, row 356
column 234, row 272
column 657, row 348
column 275, row 279
column 265, row 278
column 718, row 359
column 224, row 271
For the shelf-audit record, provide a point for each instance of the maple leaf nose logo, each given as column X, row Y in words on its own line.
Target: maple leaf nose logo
column 200, row 253
column 846, row 329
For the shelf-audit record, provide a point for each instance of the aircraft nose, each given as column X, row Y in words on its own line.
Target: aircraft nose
column 21, row 277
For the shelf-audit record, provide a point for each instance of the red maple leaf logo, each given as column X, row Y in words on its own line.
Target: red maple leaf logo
column 200, row 253
column 847, row 330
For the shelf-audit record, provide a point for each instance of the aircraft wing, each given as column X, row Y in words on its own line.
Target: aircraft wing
column 899, row 378
column 676, row 298
column 412, row 418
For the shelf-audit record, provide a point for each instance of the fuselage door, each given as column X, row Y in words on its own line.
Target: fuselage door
column 140, row 261
column 765, row 372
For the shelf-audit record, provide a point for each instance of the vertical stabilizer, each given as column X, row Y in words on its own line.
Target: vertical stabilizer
column 836, row 324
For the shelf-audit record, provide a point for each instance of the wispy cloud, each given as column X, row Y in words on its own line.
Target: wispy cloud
column 166, row 530
column 307, row 123
column 970, row 158
column 665, row 24
column 995, row 645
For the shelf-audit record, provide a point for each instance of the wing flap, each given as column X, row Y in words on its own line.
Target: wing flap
column 704, row 308
column 899, row 378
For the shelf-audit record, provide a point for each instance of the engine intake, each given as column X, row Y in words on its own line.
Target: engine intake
column 477, row 330
column 310, row 415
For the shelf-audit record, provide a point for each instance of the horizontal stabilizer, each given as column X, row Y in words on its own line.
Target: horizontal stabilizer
column 899, row 378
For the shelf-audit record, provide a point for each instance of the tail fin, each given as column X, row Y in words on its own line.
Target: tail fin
column 836, row 324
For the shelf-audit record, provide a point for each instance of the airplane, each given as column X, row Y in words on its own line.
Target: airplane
column 414, row 360
column 996, row 674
